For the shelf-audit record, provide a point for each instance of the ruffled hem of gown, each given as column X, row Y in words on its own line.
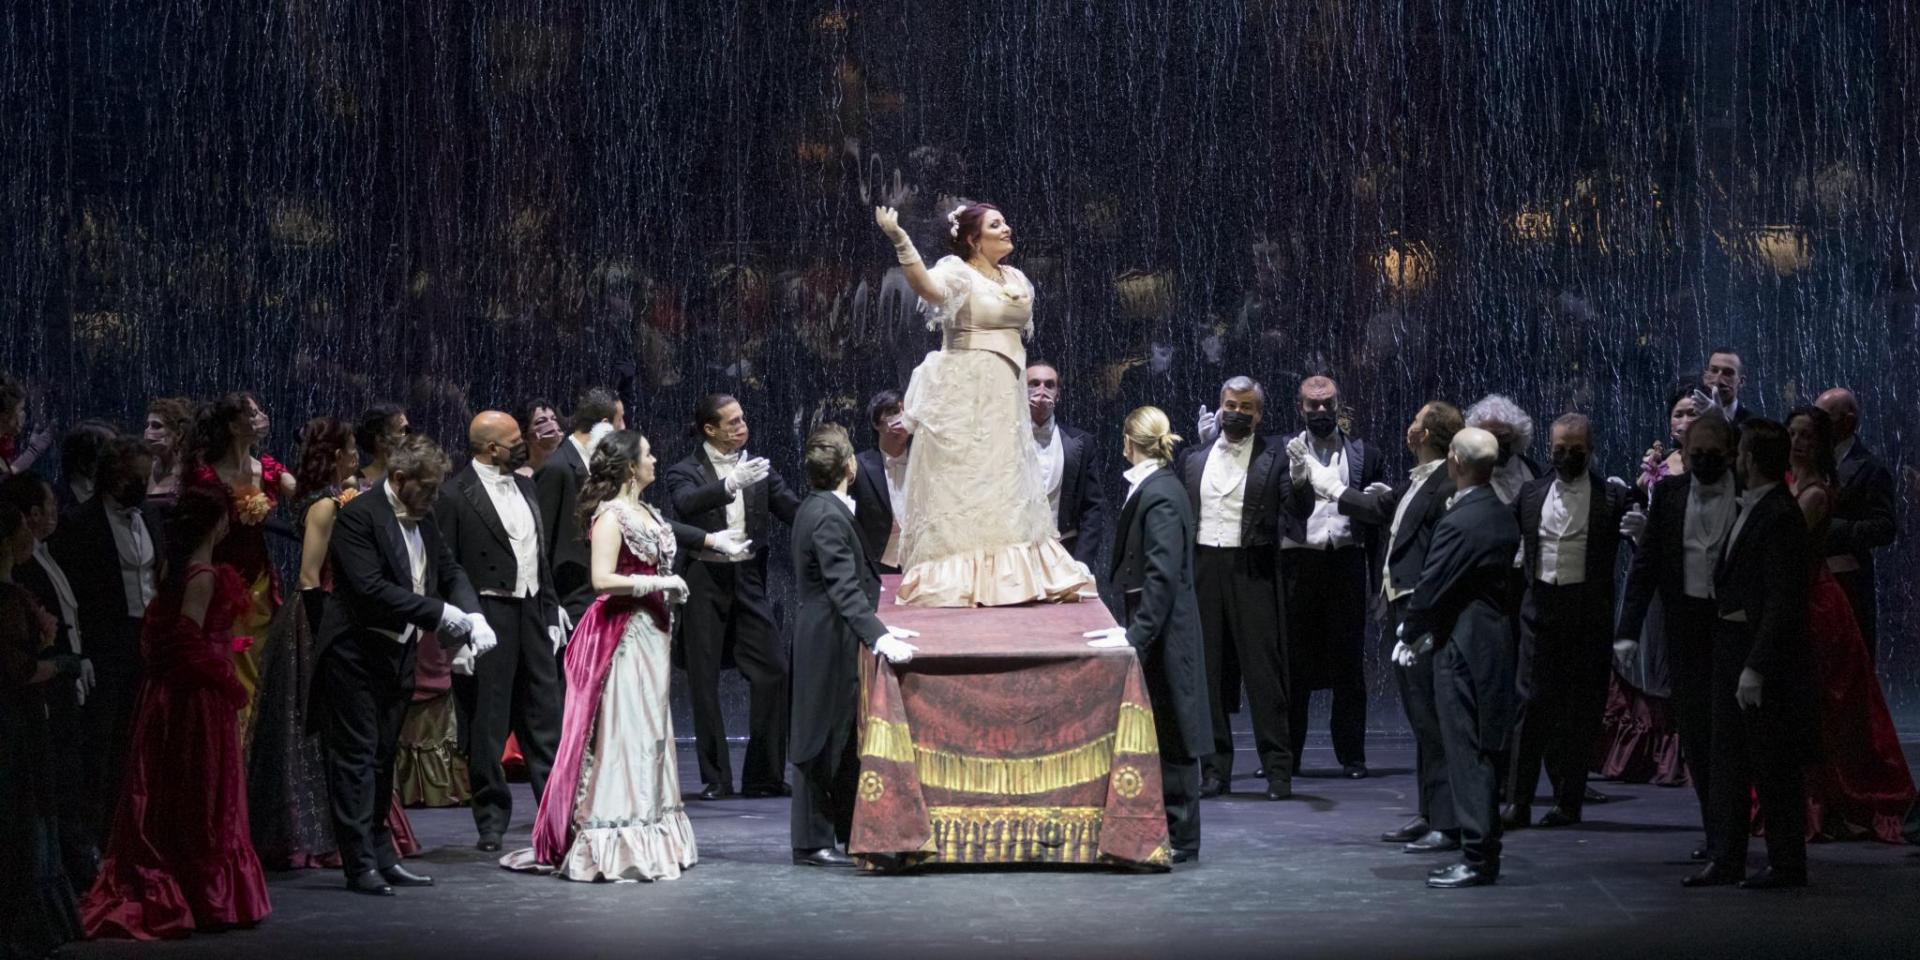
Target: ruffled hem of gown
column 1002, row 577
column 1640, row 739
column 157, row 907
column 428, row 770
column 654, row 851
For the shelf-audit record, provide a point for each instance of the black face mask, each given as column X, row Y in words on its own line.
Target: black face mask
column 1709, row 467
column 132, row 494
column 1322, row 423
column 1236, row 424
column 1570, row 464
column 517, row 456
column 1506, row 452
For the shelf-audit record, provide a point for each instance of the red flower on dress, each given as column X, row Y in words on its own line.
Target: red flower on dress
column 346, row 495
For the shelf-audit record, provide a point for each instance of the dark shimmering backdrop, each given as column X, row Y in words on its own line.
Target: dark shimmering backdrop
column 462, row 203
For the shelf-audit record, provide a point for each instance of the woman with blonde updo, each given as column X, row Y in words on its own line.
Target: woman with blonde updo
column 1153, row 568
column 976, row 528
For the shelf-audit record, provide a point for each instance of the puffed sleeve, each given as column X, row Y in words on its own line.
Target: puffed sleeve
column 951, row 277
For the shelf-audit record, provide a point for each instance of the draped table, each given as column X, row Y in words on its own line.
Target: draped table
column 1007, row 740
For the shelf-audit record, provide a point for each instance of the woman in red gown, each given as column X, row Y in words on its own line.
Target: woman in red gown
column 180, row 860
column 221, row 459
column 1861, row 786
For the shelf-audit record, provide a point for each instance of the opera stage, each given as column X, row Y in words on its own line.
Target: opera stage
column 1303, row 878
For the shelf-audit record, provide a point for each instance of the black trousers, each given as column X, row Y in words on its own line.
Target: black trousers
column 1326, row 595
column 824, row 789
column 1754, row 752
column 515, row 687
column 1472, row 767
column 1565, row 662
column 107, row 720
column 1429, row 747
column 1240, row 618
column 1179, row 791
column 367, row 683
column 1860, row 595
column 727, row 608
column 1690, row 670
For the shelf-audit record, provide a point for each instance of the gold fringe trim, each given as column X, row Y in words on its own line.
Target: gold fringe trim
column 1016, row 834
column 1018, row 776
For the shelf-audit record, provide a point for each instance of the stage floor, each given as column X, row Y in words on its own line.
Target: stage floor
column 1304, row 878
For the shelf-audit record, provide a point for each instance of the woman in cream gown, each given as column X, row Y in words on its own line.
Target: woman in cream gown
column 978, row 529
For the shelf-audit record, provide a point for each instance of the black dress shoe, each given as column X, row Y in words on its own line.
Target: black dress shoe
column 399, row 876
column 489, row 843
column 1557, row 817
column 1434, row 842
column 1280, row 790
column 1412, row 830
column 1513, row 816
column 1185, row 856
column 371, row 884
column 715, row 791
column 1771, row 879
column 1211, row 787
column 1714, row 875
column 823, row 857
column 767, row 791
column 1700, row 855
column 1594, row 796
column 1460, row 875
column 1354, row 771
column 1260, row 774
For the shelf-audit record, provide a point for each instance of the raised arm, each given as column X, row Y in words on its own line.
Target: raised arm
column 918, row 278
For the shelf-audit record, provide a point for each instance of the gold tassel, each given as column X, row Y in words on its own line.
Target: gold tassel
column 887, row 741
column 1136, row 732
column 1016, row 777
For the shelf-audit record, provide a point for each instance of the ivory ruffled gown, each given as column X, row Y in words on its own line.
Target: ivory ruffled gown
column 978, row 529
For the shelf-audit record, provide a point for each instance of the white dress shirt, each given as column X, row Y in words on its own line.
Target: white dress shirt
column 1563, row 532
column 723, row 464
column 1053, row 462
column 1223, row 491
column 135, row 546
column 1703, row 533
column 896, row 471
column 1138, row 474
column 516, row 515
column 1327, row 527
column 1418, row 475
column 69, row 608
column 416, row 553
column 852, row 507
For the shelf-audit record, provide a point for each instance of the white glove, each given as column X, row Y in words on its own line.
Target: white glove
column 751, row 470
column 1298, row 456
column 1633, row 524
column 888, row 219
column 1704, row 401
column 597, row 434
column 1747, row 692
column 83, row 684
column 1402, row 654
column 1325, row 480
column 1377, row 488
column 480, row 635
column 557, row 631
column 1625, row 650
column 732, row 544
column 463, row 661
column 453, row 621
column 894, row 646
column 1203, row 428
column 1617, row 482
column 1109, row 637
column 674, row 587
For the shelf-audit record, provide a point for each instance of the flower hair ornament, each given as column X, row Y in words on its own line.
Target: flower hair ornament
column 953, row 219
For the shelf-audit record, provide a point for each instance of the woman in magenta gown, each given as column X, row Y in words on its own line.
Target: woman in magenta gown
column 1861, row 787
column 612, row 808
column 180, row 859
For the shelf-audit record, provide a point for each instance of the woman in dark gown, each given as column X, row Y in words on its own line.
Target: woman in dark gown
column 180, row 859
column 37, row 908
column 286, row 776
